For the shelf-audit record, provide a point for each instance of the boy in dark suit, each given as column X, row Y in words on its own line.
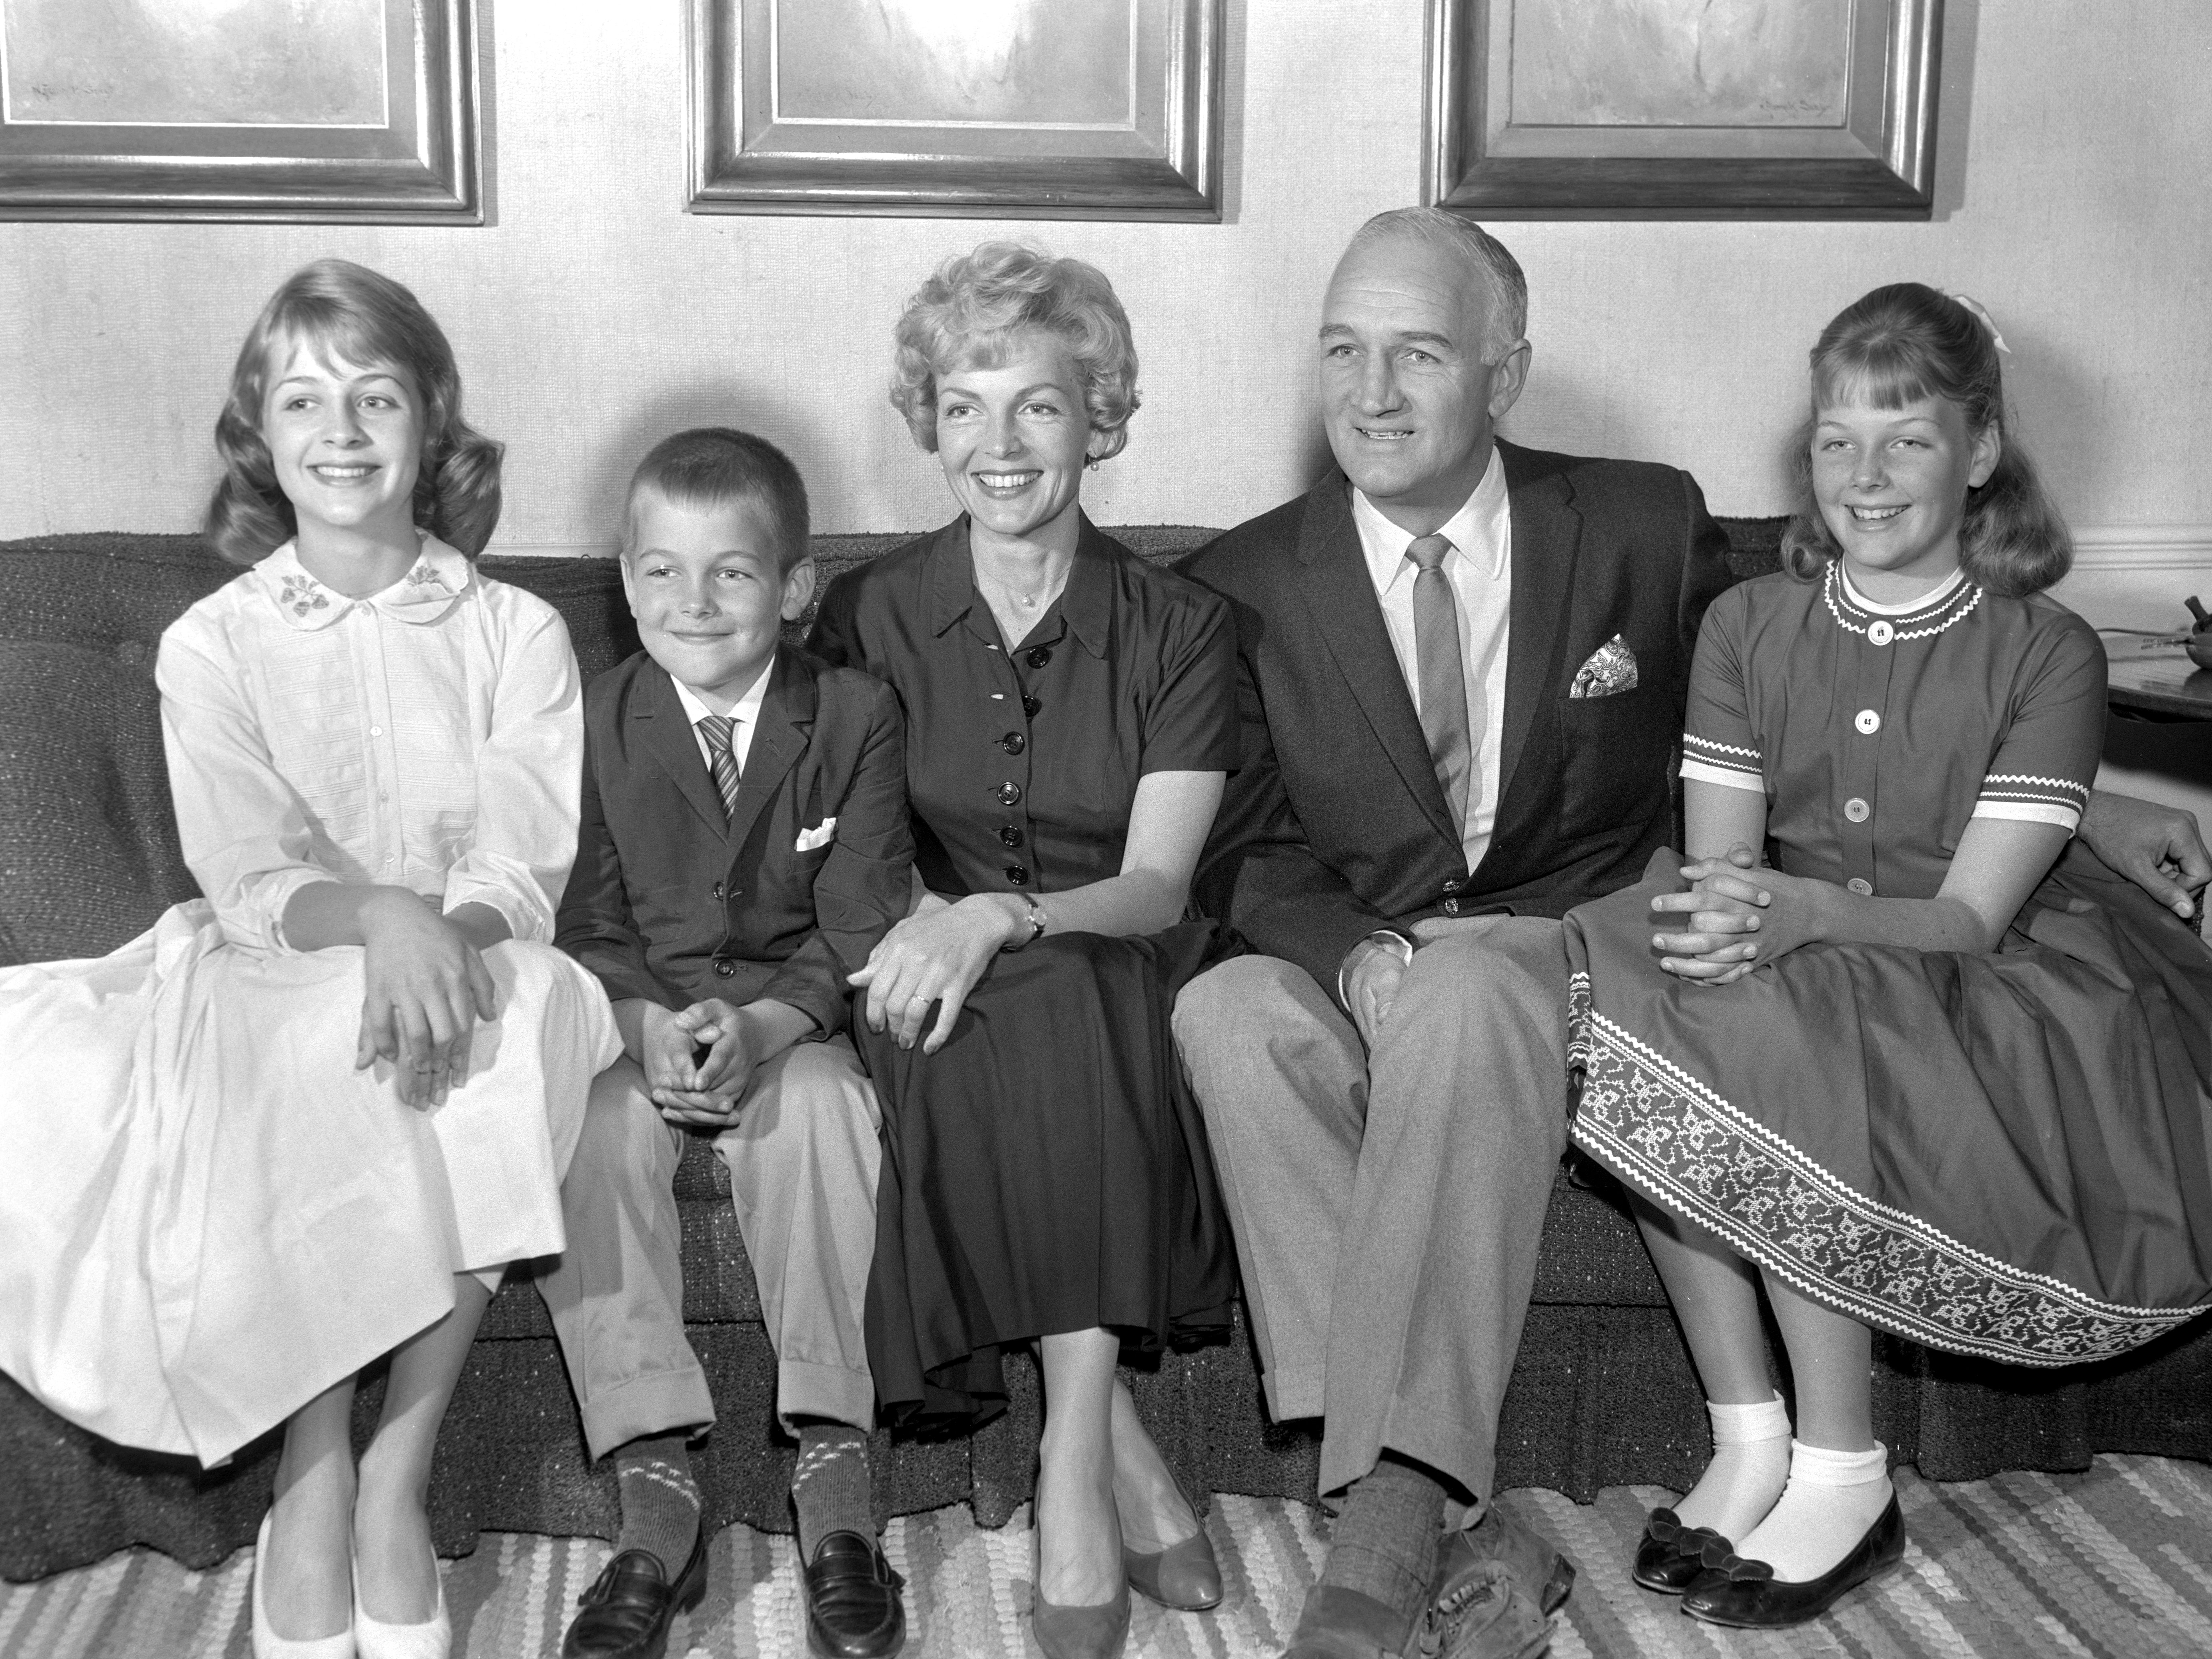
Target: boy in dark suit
column 744, row 845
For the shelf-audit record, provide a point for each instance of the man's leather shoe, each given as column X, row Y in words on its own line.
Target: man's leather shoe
column 627, row 1613
column 853, row 1605
column 1748, row 1596
column 1490, row 1614
column 1670, row 1556
column 1547, row 1576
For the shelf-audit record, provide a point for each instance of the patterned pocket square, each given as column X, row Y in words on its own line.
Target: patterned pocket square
column 1610, row 671
column 820, row 836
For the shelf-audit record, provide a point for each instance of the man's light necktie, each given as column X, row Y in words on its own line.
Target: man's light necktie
column 1443, row 677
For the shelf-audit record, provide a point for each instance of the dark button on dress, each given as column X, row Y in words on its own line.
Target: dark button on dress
column 1046, row 1170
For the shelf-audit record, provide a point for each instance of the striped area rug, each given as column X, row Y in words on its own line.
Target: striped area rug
column 2113, row 1563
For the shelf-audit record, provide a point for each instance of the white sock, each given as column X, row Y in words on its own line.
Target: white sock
column 1750, row 1467
column 1833, row 1499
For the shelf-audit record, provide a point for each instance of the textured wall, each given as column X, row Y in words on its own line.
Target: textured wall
column 596, row 315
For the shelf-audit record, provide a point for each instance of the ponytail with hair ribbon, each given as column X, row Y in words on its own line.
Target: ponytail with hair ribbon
column 1980, row 313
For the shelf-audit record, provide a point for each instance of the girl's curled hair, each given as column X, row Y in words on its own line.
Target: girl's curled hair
column 1892, row 347
column 355, row 315
column 973, row 303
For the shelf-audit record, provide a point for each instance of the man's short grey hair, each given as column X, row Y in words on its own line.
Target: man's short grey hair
column 1483, row 254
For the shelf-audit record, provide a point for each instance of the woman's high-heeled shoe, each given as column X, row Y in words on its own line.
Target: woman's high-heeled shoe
column 1091, row 1632
column 267, row 1644
column 1096, row 1631
column 1184, row 1577
column 374, row 1639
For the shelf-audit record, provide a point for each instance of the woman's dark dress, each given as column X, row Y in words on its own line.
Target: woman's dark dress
column 1046, row 1170
column 2003, row 1155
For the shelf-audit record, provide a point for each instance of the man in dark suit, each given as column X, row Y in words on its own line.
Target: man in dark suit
column 744, row 845
column 1463, row 666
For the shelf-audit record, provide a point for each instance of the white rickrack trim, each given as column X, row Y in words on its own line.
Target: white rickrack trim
column 2064, row 786
column 1725, row 748
column 1958, row 613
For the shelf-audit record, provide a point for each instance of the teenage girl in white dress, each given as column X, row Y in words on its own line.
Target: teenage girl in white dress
column 307, row 1121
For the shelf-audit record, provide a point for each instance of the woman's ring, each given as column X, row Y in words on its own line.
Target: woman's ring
column 922, row 997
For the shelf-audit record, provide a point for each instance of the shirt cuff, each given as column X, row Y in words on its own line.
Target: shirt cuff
column 524, row 922
column 1389, row 939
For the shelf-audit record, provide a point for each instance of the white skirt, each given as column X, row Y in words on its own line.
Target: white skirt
column 208, row 1217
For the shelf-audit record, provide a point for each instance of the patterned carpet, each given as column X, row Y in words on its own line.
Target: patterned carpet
column 2113, row 1563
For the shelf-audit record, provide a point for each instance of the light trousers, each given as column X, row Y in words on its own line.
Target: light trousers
column 803, row 1158
column 1387, row 1208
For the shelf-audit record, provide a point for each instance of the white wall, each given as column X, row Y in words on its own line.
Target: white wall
column 596, row 315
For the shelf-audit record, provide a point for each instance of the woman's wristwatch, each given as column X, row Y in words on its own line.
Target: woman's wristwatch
column 1036, row 924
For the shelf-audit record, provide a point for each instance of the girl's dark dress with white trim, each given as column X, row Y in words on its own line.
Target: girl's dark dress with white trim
column 2003, row 1155
column 1046, row 1170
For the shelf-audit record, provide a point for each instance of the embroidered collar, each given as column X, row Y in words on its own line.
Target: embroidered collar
column 425, row 593
column 1923, row 621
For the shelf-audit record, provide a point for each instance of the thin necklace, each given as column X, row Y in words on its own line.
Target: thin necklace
column 1024, row 601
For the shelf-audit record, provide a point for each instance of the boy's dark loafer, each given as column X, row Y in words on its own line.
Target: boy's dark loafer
column 1748, row 1596
column 853, row 1605
column 627, row 1613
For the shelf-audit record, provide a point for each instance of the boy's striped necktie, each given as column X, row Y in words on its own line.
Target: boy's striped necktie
column 717, row 729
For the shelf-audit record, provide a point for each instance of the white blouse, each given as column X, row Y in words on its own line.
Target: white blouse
column 429, row 736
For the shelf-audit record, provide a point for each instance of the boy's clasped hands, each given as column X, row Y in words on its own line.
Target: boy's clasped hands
column 702, row 1091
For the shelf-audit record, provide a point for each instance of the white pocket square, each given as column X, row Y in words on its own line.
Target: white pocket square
column 1610, row 671
column 820, row 836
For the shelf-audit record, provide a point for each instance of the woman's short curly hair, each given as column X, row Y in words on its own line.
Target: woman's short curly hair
column 1893, row 347
column 973, row 304
column 358, row 316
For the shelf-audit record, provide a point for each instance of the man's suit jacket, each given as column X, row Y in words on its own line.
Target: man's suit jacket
column 1335, row 824
column 674, row 900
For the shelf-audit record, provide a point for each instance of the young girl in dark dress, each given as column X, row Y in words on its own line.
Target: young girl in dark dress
column 1071, row 718
column 1936, row 1072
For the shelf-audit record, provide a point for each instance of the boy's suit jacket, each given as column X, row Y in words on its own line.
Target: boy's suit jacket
column 1335, row 824
column 673, row 901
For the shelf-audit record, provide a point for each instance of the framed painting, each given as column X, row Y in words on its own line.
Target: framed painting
column 988, row 109
column 245, row 110
column 1682, row 109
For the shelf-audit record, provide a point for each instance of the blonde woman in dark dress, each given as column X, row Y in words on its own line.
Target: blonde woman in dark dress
column 1071, row 719
column 1939, row 1072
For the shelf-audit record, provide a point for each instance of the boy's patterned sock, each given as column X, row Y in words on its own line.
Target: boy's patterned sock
column 659, row 1501
column 829, row 1488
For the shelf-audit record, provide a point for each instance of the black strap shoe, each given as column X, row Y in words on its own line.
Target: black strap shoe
column 1671, row 1557
column 1748, row 1596
column 627, row 1613
column 853, row 1605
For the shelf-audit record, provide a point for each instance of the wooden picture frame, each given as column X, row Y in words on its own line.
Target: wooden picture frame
column 1031, row 109
column 1611, row 109
column 353, row 111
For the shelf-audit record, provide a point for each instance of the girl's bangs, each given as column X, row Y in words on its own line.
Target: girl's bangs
column 1879, row 377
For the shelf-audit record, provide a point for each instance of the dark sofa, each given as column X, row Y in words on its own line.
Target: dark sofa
column 1602, row 1394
